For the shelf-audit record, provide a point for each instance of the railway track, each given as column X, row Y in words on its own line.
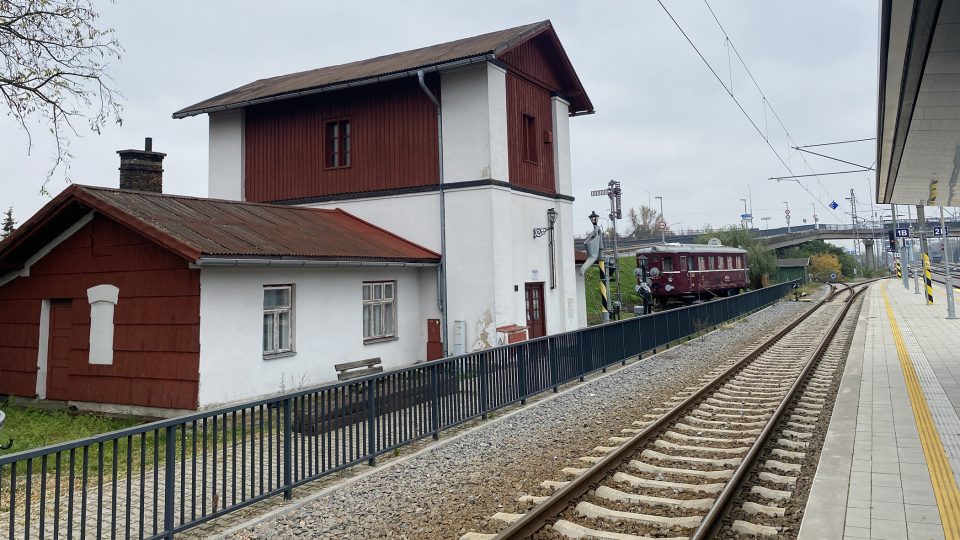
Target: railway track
column 678, row 472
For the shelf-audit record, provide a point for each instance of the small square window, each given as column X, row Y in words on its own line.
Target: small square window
column 530, row 148
column 277, row 319
column 379, row 310
column 337, row 139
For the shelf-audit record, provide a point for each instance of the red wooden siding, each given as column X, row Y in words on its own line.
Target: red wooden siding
column 393, row 143
column 157, row 320
column 526, row 98
column 531, row 59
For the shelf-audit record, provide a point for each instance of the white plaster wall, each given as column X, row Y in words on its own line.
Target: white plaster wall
column 471, row 267
column 561, row 146
column 492, row 252
column 328, row 327
column 415, row 216
column 474, row 105
column 226, row 165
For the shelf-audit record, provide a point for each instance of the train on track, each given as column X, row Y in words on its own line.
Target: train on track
column 690, row 272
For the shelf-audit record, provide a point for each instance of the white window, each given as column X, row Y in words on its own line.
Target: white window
column 103, row 300
column 379, row 310
column 277, row 319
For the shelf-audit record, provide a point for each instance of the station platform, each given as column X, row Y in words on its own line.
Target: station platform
column 890, row 463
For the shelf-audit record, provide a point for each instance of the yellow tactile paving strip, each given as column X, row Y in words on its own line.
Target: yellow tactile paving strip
column 944, row 486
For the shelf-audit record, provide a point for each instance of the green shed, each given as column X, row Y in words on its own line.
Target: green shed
column 791, row 269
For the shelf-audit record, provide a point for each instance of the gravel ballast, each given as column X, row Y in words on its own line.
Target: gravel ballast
column 455, row 486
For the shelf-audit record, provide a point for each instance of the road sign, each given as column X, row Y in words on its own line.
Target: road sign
column 746, row 216
column 902, row 233
column 787, row 211
column 939, row 231
column 661, row 225
column 833, row 205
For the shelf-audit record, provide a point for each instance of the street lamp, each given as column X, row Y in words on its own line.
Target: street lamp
column 551, row 219
column 787, row 213
column 662, row 223
column 593, row 218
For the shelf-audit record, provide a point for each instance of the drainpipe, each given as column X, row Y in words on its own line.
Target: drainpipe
column 442, row 268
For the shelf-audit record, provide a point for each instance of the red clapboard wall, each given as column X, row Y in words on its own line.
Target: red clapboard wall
column 527, row 98
column 156, row 321
column 393, row 142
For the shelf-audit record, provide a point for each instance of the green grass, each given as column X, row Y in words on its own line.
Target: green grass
column 32, row 428
column 628, row 283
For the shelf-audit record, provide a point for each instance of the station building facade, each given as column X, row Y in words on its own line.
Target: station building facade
column 402, row 207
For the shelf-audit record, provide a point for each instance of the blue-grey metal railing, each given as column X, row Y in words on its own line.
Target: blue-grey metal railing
column 154, row 480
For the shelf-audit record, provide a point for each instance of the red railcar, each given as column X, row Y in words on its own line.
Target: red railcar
column 691, row 272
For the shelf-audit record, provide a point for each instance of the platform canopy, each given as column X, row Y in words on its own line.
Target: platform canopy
column 918, row 127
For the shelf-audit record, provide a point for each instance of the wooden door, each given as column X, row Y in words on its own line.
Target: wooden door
column 58, row 350
column 536, row 317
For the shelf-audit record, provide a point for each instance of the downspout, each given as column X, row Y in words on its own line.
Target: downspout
column 442, row 268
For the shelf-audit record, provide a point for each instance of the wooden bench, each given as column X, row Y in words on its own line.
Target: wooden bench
column 360, row 368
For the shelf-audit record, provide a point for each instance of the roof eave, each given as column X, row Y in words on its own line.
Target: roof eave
column 412, row 72
column 308, row 262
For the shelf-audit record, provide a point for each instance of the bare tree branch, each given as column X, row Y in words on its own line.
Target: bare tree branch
column 54, row 63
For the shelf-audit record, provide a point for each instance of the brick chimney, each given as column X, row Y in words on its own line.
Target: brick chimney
column 142, row 170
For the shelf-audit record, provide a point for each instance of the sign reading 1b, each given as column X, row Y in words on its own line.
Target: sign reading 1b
column 902, row 233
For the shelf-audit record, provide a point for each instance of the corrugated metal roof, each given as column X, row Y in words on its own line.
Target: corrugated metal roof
column 790, row 263
column 197, row 227
column 373, row 68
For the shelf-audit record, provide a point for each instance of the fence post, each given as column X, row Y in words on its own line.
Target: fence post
column 484, row 386
column 287, row 448
column 522, row 373
column 554, row 368
column 604, row 360
column 169, row 485
column 371, row 423
column 435, row 400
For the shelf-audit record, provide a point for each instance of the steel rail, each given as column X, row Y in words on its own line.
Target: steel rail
column 537, row 517
column 713, row 521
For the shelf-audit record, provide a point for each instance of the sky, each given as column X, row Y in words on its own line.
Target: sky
column 664, row 125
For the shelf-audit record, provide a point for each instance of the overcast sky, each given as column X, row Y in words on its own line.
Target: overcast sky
column 664, row 126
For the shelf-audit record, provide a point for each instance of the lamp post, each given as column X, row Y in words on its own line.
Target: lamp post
column 787, row 213
column 766, row 222
column 551, row 219
column 662, row 223
column 816, row 224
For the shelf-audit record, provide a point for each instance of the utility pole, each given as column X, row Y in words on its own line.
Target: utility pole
column 662, row 224
column 816, row 224
column 948, row 281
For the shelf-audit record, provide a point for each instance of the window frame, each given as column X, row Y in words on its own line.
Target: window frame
column 276, row 311
column 531, row 148
column 341, row 154
column 372, row 301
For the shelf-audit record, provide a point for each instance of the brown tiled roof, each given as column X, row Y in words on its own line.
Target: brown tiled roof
column 381, row 67
column 197, row 228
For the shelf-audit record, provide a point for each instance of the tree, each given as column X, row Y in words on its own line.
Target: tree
column 8, row 225
column 761, row 260
column 55, row 70
column 643, row 223
column 822, row 265
column 815, row 247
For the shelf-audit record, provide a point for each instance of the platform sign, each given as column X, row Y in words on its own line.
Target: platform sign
column 833, row 205
column 902, row 233
column 746, row 216
column 940, row 231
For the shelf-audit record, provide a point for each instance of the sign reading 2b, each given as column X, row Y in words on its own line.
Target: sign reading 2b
column 939, row 231
column 902, row 233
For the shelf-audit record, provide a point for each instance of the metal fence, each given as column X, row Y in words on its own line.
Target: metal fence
column 158, row 479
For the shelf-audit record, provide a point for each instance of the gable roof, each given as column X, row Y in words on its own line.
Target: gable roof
column 480, row 48
column 198, row 228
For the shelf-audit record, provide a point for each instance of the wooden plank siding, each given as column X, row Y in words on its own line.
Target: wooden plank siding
column 393, row 142
column 156, row 320
column 527, row 98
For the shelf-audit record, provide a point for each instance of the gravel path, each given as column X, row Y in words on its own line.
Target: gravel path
column 455, row 486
